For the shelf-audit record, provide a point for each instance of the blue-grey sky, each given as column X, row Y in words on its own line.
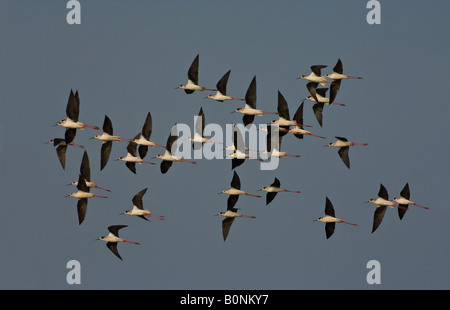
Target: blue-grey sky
column 127, row 57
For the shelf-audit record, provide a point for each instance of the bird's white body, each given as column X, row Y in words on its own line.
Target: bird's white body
column 68, row 123
column 275, row 153
column 283, row 122
column 340, row 76
column 104, row 137
column 112, row 238
column 298, row 130
column 167, row 156
column 340, row 143
column 320, row 98
column 315, row 79
column 142, row 141
column 132, row 159
column 198, row 138
column 273, row 189
column 403, row 201
column 382, row 202
column 82, row 194
column 238, row 155
column 249, row 111
column 230, row 213
column 329, row 219
column 190, row 85
column 234, row 191
column 219, row 96
column 337, row 76
column 137, row 211
column 88, row 183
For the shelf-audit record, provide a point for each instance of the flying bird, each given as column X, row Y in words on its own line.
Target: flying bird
column 82, row 195
column 344, row 145
column 299, row 131
column 330, row 219
column 72, row 114
column 284, row 121
column 198, row 139
column 62, row 144
column 192, row 83
column 318, row 96
column 382, row 202
column 85, row 172
column 404, row 201
column 273, row 143
column 107, row 139
column 316, row 76
column 168, row 157
column 138, row 207
column 338, row 73
column 337, row 76
column 221, row 94
column 230, row 215
column 143, row 140
column 239, row 150
column 235, row 191
column 250, row 110
column 131, row 159
column 113, row 238
column 274, row 189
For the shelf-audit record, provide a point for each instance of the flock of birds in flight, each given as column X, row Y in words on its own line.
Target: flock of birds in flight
column 137, row 149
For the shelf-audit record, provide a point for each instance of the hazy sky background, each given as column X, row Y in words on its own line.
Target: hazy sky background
column 127, row 57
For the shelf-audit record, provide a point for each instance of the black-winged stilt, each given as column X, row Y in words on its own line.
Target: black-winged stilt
column 330, row 219
column 113, row 238
column 221, row 94
column 274, row 189
column 138, row 207
column 192, row 83
column 344, row 145
column 404, row 201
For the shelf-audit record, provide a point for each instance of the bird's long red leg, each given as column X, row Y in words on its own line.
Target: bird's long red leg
column 91, row 126
column 102, row 188
column 292, row 191
column 147, row 162
column 415, row 204
column 77, row 145
column 301, row 125
column 100, row 196
column 252, row 195
column 188, row 161
column 348, row 223
column 311, row 134
column 130, row 241
column 159, row 217
column 125, row 139
column 400, row 207
column 248, row 216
